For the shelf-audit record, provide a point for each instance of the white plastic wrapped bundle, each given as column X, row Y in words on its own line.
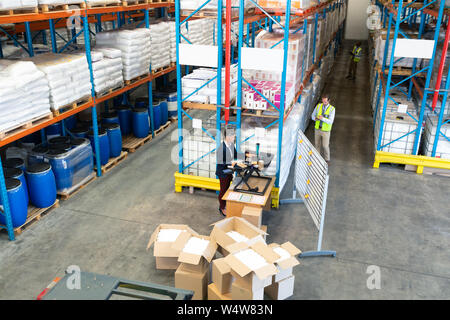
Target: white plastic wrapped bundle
column 68, row 77
column 107, row 69
column 135, row 47
column 24, row 93
column 17, row 4
column 160, row 45
column 101, row 2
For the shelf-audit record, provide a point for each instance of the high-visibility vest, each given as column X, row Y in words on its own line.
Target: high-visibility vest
column 321, row 125
column 356, row 53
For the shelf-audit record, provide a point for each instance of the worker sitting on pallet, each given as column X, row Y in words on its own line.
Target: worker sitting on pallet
column 355, row 58
column 227, row 155
column 323, row 115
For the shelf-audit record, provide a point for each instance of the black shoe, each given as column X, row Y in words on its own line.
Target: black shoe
column 221, row 212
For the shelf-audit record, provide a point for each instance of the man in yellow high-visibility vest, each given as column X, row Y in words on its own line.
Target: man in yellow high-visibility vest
column 323, row 115
column 355, row 58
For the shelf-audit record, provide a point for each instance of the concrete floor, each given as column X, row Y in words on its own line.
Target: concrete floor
column 390, row 218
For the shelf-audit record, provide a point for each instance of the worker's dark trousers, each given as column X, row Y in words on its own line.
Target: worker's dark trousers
column 352, row 68
column 224, row 185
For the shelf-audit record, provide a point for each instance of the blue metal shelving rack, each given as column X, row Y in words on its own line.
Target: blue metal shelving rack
column 53, row 18
column 396, row 15
column 312, row 14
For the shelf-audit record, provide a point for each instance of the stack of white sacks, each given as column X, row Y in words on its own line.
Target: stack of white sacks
column 24, row 93
column 135, row 47
column 17, row 4
column 101, row 2
column 173, row 40
column 107, row 69
column 160, row 45
column 68, row 77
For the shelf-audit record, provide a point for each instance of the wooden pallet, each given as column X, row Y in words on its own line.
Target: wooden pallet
column 114, row 162
column 108, row 91
column 24, row 126
column 99, row 5
column 34, row 215
column 130, row 143
column 127, row 3
column 162, row 128
column 128, row 82
column 159, row 70
column 71, row 106
column 45, row 8
column 66, row 195
column 22, row 11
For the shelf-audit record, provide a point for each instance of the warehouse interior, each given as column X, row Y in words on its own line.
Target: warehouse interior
column 381, row 219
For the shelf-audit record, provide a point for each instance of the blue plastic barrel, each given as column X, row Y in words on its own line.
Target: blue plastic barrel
column 110, row 117
column 61, row 167
column 71, row 122
column 15, row 173
column 41, row 185
column 124, row 113
column 37, row 154
column 80, row 132
column 172, row 104
column 141, row 123
column 115, row 139
column 58, row 140
column 164, row 111
column 103, row 143
column 60, row 146
column 15, row 163
column 156, row 115
column 141, row 102
column 18, row 204
column 53, row 130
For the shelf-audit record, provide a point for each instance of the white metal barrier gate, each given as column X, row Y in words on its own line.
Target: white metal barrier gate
column 311, row 182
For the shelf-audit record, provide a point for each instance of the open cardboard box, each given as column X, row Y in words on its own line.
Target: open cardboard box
column 194, row 262
column 254, row 279
column 167, row 256
column 219, row 233
column 285, row 266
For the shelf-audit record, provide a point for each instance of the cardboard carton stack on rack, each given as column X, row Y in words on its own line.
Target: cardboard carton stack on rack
column 247, row 270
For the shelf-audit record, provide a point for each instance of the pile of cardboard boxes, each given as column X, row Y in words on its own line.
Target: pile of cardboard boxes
column 248, row 268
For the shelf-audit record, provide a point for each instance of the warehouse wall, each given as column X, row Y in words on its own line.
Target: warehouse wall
column 355, row 28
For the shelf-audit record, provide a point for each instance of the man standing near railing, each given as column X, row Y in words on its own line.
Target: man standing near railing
column 323, row 115
column 355, row 58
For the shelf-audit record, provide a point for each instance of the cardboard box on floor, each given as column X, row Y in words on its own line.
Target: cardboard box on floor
column 221, row 276
column 214, row 293
column 245, row 228
column 253, row 215
column 285, row 266
column 194, row 262
column 167, row 256
column 195, row 281
column 281, row 290
column 252, row 279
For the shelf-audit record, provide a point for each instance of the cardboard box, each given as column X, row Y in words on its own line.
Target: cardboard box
column 214, row 293
column 281, row 290
column 287, row 261
column 250, row 275
column 221, row 275
column 253, row 215
column 239, row 292
column 222, row 251
column 240, row 225
column 197, row 282
column 163, row 263
column 194, row 262
column 164, row 249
